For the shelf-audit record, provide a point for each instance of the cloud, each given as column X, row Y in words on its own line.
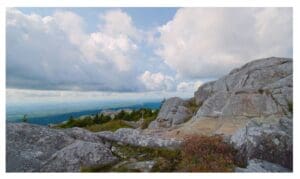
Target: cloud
column 209, row 42
column 157, row 81
column 55, row 52
column 117, row 22
column 188, row 86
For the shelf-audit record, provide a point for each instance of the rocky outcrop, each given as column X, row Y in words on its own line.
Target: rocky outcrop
column 252, row 107
column 260, row 88
column 174, row 111
column 204, row 91
column 78, row 155
column 256, row 165
column 270, row 142
column 137, row 138
column 34, row 148
column 260, row 94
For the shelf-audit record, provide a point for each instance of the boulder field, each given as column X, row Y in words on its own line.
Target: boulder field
column 251, row 107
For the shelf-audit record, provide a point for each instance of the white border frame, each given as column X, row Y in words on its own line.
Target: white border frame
column 151, row 3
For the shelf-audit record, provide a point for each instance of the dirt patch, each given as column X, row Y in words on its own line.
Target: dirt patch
column 206, row 126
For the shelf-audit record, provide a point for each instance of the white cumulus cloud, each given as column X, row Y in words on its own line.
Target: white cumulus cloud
column 188, row 86
column 56, row 52
column 208, row 42
column 157, row 81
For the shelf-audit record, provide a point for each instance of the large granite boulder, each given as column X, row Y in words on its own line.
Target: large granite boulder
column 255, row 102
column 203, row 92
column 78, row 155
column 258, row 89
column 267, row 141
column 137, row 138
column 34, row 148
column 174, row 111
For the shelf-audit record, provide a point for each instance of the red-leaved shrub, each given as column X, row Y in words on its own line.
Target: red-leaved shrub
column 207, row 154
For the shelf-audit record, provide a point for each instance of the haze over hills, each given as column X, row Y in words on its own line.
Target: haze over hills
column 52, row 113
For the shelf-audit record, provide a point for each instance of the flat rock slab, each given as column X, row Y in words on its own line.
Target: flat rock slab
column 137, row 138
column 256, row 165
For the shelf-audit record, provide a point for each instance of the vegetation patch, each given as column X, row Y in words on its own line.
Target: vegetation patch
column 112, row 125
column 207, row 154
column 85, row 121
column 104, row 168
column 100, row 122
column 166, row 159
column 197, row 154
column 146, row 153
column 136, row 115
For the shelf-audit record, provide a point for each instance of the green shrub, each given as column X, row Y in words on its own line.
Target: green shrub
column 25, row 119
column 99, row 119
column 112, row 125
column 86, row 121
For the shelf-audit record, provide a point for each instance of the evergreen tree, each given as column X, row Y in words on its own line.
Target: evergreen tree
column 24, row 119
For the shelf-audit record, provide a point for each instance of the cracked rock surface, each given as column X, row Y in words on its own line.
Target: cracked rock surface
column 260, row 88
column 34, row 148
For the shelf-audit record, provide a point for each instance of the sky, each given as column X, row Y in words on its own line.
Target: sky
column 104, row 53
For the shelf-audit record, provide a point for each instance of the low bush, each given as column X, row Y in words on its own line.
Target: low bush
column 85, row 121
column 206, row 154
column 92, row 120
column 112, row 125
